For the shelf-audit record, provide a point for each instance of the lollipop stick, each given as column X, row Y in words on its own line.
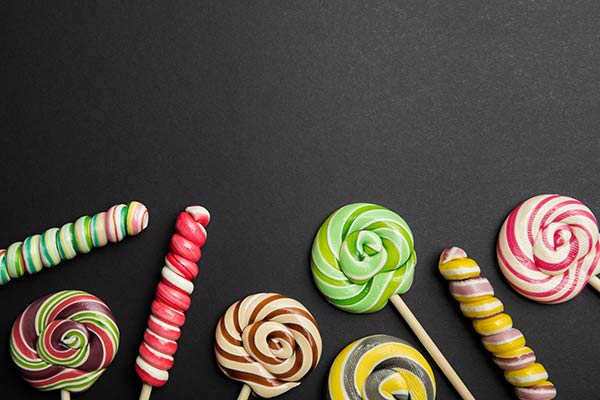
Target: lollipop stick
column 65, row 395
column 431, row 347
column 595, row 283
column 245, row 393
column 146, row 391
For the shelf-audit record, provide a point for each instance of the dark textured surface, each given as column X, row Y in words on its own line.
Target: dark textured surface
column 272, row 115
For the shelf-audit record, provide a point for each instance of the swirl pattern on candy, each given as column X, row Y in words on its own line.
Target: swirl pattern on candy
column 54, row 245
column 172, row 297
column 64, row 341
column 269, row 342
column 380, row 367
column 363, row 254
column 507, row 344
column 548, row 248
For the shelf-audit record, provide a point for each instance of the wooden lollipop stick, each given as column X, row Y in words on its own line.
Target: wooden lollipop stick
column 431, row 347
column 146, row 391
column 245, row 393
column 65, row 395
column 595, row 283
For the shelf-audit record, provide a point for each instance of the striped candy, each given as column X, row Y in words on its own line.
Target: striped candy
column 269, row 342
column 54, row 245
column 64, row 341
column 361, row 256
column 172, row 297
column 507, row 344
column 380, row 367
column 548, row 248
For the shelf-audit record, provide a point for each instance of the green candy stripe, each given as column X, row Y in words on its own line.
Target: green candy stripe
column 81, row 233
column 4, row 276
column 361, row 256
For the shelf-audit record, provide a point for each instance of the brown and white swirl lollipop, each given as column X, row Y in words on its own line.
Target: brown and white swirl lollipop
column 269, row 342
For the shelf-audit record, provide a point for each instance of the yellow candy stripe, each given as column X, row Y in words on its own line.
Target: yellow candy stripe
column 493, row 325
column 460, row 268
column 506, row 343
column 531, row 375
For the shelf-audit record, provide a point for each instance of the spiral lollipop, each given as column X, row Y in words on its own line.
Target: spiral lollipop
column 507, row 344
column 362, row 256
column 172, row 299
column 64, row 341
column 56, row 245
column 380, row 367
column 548, row 248
column 269, row 342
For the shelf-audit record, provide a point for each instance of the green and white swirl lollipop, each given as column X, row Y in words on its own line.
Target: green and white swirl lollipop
column 362, row 256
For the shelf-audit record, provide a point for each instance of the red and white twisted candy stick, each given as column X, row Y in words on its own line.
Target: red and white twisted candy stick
column 172, row 299
column 548, row 248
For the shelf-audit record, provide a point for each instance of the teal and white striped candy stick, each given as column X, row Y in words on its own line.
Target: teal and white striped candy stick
column 55, row 245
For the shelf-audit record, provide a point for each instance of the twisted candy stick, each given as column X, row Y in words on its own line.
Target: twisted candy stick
column 548, row 248
column 172, row 299
column 507, row 344
column 54, row 245
column 362, row 256
column 380, row 367
column 64, row 341
column 269, row 342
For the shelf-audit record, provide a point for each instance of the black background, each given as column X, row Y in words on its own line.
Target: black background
column 272, row 114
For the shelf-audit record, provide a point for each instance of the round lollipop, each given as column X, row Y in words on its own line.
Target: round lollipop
column 380, row 367
column 55, row 245
column 269, row 342
column 548, row 248
column 362, row 256
column 64, row 341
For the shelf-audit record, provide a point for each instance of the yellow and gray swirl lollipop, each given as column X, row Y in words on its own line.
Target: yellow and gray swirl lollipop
column 380, row 367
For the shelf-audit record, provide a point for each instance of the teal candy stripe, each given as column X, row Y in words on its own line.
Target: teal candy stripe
column 94, row 230
column 28, row 253
column 66, row 242
column 50, row 252
column 4, row 277
column 123, row 221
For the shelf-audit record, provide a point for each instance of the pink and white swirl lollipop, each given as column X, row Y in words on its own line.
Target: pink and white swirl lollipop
column 548, row 248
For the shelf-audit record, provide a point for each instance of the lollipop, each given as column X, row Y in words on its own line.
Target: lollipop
column 269, row 342
column 507, row 344
column 548, row 248
column 172, row 299
column 362, row 256
column 54, row 245
column 380, row 367
column 64, row 341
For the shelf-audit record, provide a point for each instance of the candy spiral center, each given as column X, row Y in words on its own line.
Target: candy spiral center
column 556, row 247
column 272, row 344
column 64, row 342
